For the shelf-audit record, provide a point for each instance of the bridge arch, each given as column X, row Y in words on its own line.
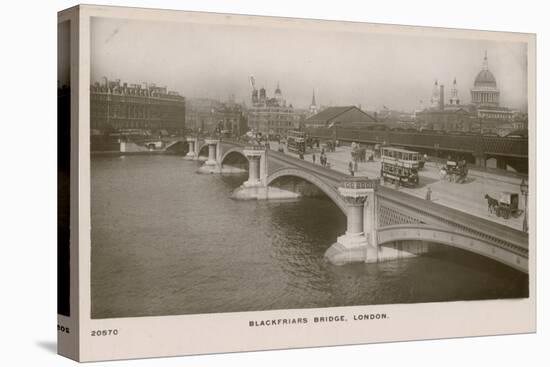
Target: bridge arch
column 318, row 182
column 508, row 256
column 203, row 150
column 233, row 151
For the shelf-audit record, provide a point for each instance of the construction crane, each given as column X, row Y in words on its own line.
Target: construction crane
column 252, row 82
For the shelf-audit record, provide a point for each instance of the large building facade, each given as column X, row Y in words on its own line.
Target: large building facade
column 231, row 119
column 200, row 114
column 207, row 115
column 271, row 116
column 118, row 106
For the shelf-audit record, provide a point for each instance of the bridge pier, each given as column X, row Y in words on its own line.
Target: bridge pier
column 211, row 165
column 370, row 224
column 193, row 145
column 253, row 170
column 212, row 147
column 356, row 245
column 257, row 162
column 255, row 187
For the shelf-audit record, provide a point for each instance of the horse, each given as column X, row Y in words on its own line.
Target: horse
column 492, row 203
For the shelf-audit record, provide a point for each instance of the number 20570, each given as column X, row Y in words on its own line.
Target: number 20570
column 105, row 332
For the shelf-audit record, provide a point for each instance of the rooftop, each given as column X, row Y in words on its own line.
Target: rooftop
column 330, row 113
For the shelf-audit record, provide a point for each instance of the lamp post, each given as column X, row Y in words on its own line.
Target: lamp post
column 524, row 187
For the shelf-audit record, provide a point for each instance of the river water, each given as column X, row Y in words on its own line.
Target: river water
column 168, row 241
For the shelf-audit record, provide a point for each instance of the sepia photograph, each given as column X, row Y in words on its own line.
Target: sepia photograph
column 247, row 183
column 242, row 168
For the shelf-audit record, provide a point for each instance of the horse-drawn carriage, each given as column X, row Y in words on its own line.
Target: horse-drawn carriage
column 505, row 206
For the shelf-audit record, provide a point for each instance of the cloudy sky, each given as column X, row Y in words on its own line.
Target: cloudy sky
column 343, row 68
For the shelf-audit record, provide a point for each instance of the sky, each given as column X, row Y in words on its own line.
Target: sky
column 344, row 68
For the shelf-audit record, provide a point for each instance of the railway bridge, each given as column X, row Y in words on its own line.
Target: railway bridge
column 477, row 149
column 382, row 223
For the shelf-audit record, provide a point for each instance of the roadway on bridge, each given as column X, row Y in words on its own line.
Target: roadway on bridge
column 467, row 197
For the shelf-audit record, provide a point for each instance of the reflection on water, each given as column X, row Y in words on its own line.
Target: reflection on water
column 167, row 241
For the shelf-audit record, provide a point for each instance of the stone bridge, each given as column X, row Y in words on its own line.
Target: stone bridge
column 382, row 223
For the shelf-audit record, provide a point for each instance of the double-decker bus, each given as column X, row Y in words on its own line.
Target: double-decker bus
column 400, row 165
column 296, row 141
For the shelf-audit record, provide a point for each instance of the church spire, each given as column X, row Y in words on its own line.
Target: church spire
column 313, row 109
column 278, row 90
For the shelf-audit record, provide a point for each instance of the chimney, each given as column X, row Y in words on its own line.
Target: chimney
column 441, row 97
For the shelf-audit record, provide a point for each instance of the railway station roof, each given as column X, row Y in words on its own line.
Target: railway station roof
column 340, row 115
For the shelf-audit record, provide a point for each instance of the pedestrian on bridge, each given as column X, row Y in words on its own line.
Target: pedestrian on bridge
column 350, row 167
column 429, row 194
column 313, row 158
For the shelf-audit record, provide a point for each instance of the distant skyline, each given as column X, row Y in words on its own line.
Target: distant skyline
column 344, row 68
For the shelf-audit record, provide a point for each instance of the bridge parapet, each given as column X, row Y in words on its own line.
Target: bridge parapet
column 396, row 208
column 434, row 234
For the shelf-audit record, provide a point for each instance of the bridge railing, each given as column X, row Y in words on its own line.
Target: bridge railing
column 501, row 235
column 233, row 141
column 334, row 176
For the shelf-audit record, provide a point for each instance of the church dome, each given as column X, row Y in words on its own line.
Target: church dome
column 485, row 79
